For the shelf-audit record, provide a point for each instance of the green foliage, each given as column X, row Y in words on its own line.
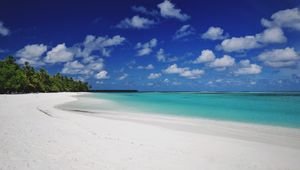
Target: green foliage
column 16, row 79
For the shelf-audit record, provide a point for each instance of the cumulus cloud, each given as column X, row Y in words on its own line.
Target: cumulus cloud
column 96, row 65
column 143, row 10
column 214, row 33
column 154, row 75
column 162, row 57
column 206, row 56
column 147, row 67
column 246, row 68
column 90, row 51
column 222, row 63
column 238, row 44
column 101, row 44
column 75, row 67
column 32, row 51
column 146, row 48
column 271, row 35
column 136, row 22
column 108, row 42
column 279, row 57
column 31, row 54
column 288, row 18
column 4, row 31
column 168, row 10
column 59, row 54
column 184, row 71
column 88, row 61
column 184, row 31
column 102, row 75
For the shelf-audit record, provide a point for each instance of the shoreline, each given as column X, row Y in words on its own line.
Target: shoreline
column 225, row 128
column 65, row 107
column 31, row 139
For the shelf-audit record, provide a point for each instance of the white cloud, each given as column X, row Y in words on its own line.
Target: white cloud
column 154, row 75
column 206, row 56
column 108, row 42
column 214, row 33
column 184, row 31
column 222, row 63
column 122, row 77
column 184, row 71
column 101, row 44
column 74, row 64
column 59, row 54
column 136, row 22
column 166, row 80
column 102, row 75
column 168, row 10
column 143, row 10
column 279, row 57
column 96, row 65
column 239, row 43
column 87, row 69
column 75, row 67
column 173, row 69
column 192, row 74
column 32, row 51
column 146, row 48
column 269, row 35
column 4, row 31
column 288, row 18
column 148, row 67
column 245, row 67
column 160, row 55
column 31, row 54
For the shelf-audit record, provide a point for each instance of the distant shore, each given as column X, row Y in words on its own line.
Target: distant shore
column 114, row 91
column 35, row 134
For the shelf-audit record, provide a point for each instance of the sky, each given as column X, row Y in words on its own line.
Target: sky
column 159, row 45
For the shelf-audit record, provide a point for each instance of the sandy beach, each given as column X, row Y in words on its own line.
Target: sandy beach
column 35, row 134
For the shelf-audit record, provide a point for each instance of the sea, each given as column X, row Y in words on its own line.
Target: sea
column 267, row 108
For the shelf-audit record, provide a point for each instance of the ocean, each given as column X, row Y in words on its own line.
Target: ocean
column 277, row 109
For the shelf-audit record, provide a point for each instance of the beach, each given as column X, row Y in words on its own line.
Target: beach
column 36, row 134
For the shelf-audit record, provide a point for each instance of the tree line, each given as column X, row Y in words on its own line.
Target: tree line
column 17, row 79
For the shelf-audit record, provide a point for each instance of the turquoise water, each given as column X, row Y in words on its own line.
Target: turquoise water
column 281, row 109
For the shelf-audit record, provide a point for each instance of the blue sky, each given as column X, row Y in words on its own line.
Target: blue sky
column 213, row 45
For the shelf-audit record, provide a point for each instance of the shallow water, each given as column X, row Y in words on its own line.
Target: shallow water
column 280, row 109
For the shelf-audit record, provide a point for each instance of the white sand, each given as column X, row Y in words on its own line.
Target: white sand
column 35, row 135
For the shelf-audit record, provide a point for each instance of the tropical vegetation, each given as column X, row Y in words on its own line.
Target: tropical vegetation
column 25, row 79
